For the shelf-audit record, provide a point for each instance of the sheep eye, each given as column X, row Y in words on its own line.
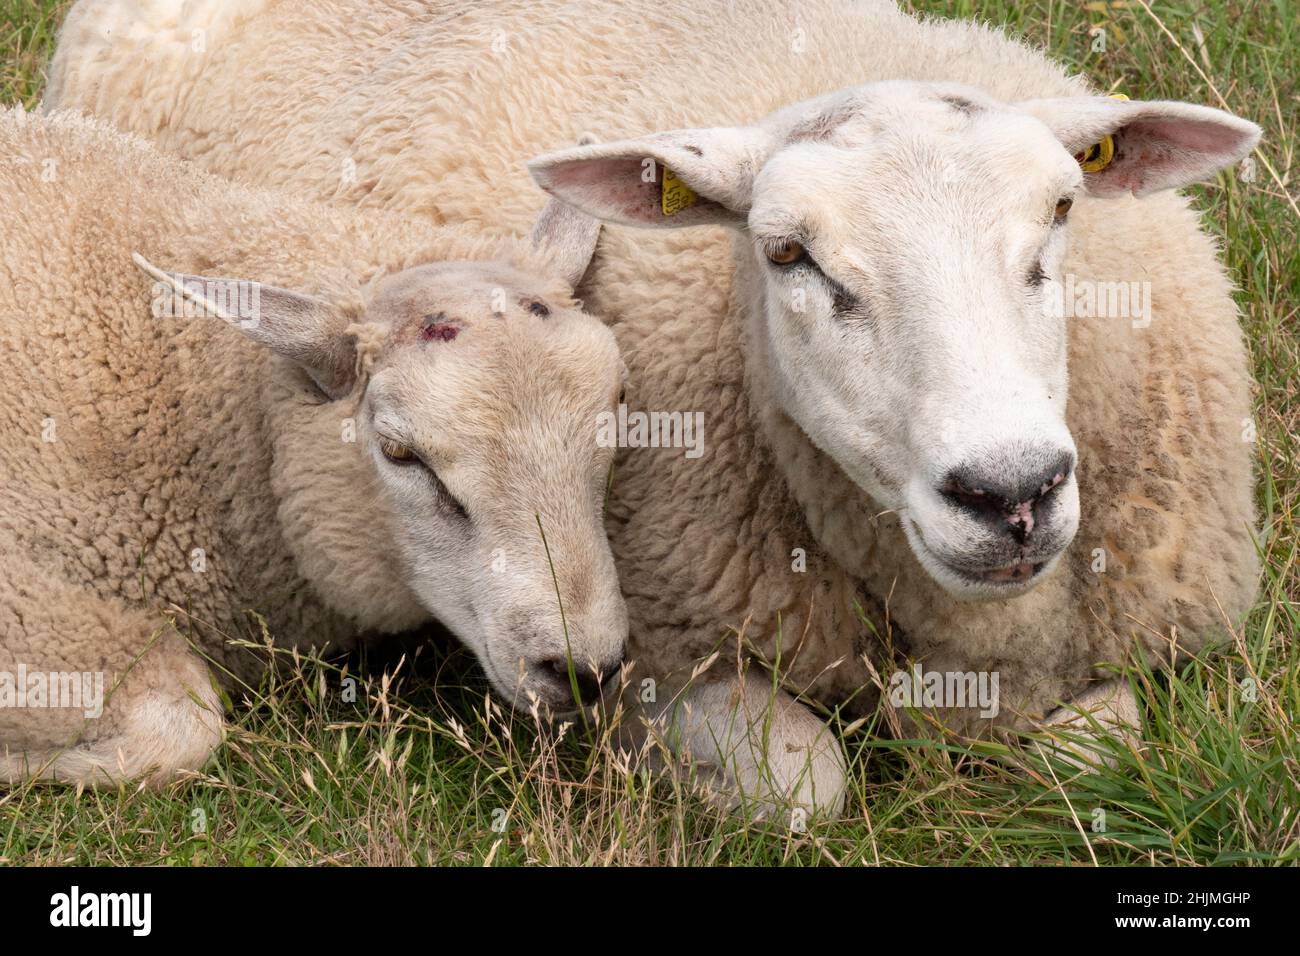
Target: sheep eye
column 396, row 452
column 1062, row 208
column 538, row 309
column 785, row 253
column 405, row 456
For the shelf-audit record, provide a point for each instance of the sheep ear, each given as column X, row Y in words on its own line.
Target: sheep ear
column 305, row 330
column 1156, row 144
column 682, row 178
column 567, row 237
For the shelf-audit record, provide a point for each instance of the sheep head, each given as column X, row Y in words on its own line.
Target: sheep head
column 471, row 391
column 902, row 244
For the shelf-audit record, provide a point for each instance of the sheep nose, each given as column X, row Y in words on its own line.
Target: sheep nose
column 590, row 682
column 1008, row 503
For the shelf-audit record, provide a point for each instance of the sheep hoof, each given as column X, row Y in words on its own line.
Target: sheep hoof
column 1076, row 732
column 156, row 718
column 756, row 751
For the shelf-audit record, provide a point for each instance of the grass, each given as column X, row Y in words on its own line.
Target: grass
column 403, row 774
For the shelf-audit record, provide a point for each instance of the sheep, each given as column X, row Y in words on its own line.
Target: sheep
column 402, row 437
column 871, row 313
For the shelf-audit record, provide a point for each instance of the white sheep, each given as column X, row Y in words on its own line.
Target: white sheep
column 386, row 445
column 878, row 337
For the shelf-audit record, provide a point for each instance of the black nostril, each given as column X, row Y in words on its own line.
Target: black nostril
column 1048, row 480
column 589, row 682
column 973, row 496
column 611, row 677
column 1006, row 503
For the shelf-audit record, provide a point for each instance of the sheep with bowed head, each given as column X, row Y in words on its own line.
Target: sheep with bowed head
column 377, row 423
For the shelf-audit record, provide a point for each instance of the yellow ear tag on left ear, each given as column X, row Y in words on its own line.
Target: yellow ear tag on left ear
column 1099, row 155
column 675, row 195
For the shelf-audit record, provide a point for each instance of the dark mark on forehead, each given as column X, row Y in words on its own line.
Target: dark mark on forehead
column 822, row 125
column 439, row 328
column 961, row 104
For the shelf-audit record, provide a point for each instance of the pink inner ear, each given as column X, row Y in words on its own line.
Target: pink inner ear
column 1162, row 152
column 590, row 172
column 612, row 185
column 1212, row 138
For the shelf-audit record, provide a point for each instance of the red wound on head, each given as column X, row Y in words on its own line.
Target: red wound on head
column 437, row 328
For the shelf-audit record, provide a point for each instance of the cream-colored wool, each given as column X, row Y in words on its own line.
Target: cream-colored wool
column 169, row 486
column 433, row 107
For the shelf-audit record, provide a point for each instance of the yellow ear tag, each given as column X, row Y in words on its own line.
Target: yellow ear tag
column 1099, row 155
column 675, row 195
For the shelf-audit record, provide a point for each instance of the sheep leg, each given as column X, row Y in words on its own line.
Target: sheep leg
column 1111, row 704
column 134, row 701
column 758, row 748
